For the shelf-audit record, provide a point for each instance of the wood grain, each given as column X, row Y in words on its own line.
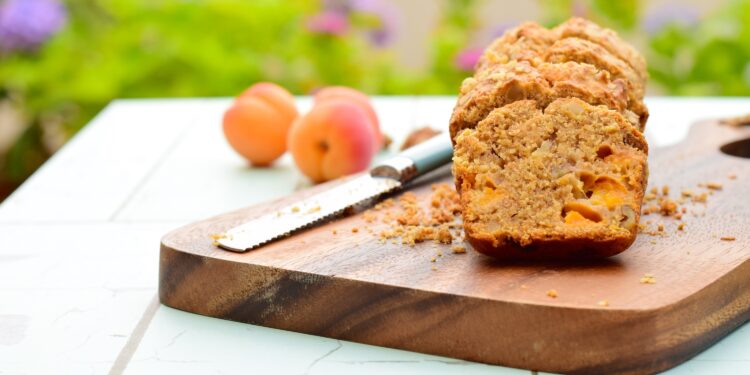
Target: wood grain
column 350, row 286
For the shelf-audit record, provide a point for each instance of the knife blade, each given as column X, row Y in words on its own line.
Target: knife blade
column 387, row 177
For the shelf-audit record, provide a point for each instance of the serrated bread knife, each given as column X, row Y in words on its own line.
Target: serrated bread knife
column 387, row 177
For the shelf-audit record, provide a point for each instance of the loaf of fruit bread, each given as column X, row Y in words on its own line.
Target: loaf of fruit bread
column 549, row 156
column 560, row 181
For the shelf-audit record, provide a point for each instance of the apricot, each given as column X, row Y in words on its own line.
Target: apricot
column 578, row 213
column 257, row 124
column 274, row 95
column 334, row 139
column 608, row 192
column 361, row 99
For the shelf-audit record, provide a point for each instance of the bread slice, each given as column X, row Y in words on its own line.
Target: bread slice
column 526, row 42
column 518, row 80
column 585, row 29
column 584, row 51
column 551, row 183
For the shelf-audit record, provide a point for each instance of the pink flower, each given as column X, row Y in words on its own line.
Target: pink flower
column 328, row 22
column 467, row 59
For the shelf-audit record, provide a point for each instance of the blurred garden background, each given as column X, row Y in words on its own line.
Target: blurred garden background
column 62, row 61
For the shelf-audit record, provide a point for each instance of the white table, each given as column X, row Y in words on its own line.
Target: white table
column 79, row 245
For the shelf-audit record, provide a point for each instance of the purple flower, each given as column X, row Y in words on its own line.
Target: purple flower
column 467, row 59
column 386, row 19
column 657, row 19
column 328, row 22
column 26, row 24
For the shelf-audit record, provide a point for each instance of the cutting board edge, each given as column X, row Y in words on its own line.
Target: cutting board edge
column 654, row 361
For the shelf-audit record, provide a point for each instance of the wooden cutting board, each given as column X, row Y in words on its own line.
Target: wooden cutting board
column 351, row 286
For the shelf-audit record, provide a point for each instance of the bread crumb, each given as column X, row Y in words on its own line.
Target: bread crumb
column 314, row 209
column 665, row 190
column 700, row 198
column 458, row 249
column 295, row 209
column 728, row 238
column 433, row 260
column 433, row 268
column 411, row 222
column 681, row 226
column 714, row 185
column 355, row 230
column 660, row 227
column 388, row 203
column 552, row 293
column 603, row 303
column 732, row 176
column 648, row 279
column 667, row 207
column 444, row 236
column 334, row 231
column 369, row 216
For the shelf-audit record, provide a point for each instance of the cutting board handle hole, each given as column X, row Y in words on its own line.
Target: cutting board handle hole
column 738, row 148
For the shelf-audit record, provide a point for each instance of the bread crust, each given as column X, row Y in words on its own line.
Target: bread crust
column 519, row 80
column 585, row 51
column 552, row 249
column 585, row 29
column 529, row 42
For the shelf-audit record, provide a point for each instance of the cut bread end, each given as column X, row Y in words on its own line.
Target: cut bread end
column 556, row 182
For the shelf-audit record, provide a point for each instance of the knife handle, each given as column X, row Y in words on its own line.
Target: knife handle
column 417, row 160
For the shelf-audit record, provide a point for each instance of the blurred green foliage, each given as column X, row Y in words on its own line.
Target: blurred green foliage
column 711, row 57
column 621, row 14
column 174, row 48
column 688, row 54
